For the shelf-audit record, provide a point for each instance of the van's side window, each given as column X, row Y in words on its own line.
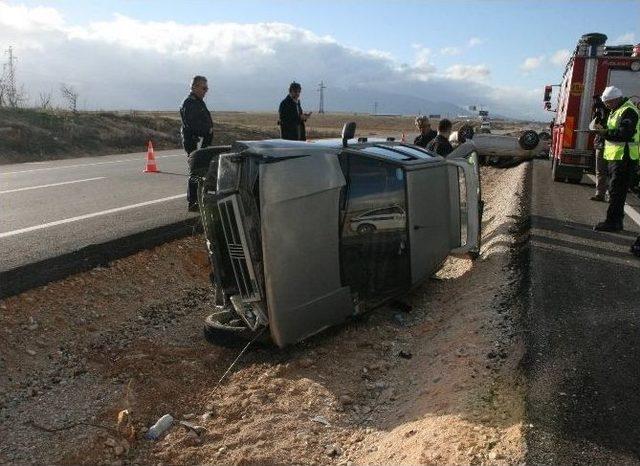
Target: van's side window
column 373, row 226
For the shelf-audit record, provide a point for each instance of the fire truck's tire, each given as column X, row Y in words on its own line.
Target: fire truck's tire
column 529, row 140
column 554, row 170
column 223, row 328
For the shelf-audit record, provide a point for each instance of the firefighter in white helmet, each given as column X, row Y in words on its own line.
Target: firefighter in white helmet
column 621, row 151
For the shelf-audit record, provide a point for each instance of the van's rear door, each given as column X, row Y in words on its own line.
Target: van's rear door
column 466, row 198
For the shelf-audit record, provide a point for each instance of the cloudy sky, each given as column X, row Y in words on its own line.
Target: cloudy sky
column 140, row 54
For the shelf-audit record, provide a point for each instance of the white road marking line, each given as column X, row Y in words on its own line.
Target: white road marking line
column 50, row 185
column 598, row 243
column 141, row 160
column 631, row 262
column 86, row 216
column 630, row 211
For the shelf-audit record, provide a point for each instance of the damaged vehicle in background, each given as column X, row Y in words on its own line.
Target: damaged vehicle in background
column 502, row 149
column 304, row 235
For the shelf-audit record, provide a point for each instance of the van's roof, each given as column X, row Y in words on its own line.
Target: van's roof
column 378, row 147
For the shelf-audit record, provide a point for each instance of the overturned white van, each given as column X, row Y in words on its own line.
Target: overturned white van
column 303, row 235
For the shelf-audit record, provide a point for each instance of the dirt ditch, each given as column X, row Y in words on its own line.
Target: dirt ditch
column 438, row 384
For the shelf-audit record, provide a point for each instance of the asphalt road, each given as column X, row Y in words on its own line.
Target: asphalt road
column 583, row 324
column 56, row 207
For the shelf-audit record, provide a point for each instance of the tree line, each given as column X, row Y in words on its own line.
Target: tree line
column 13, row 95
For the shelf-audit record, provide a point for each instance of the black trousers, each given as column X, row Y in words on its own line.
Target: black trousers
column 192, row 183
column 620, row 172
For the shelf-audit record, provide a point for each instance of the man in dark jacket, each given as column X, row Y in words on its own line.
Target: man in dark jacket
column 600, row 117
column 440, row 144
column 196, row 125
column 426, row 133
column 291, row 117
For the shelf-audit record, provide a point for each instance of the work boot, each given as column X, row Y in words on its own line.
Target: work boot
column 193, row 207
column 598, row 197
column 606, row 226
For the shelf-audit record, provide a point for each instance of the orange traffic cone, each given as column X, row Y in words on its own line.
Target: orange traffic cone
column 151, row 166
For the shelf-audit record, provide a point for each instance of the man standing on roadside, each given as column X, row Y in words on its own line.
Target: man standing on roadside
column 291, row 117
column 426, row 133
column 440, row 144
column 621, row 151
column 196, row 125
column 601, row 114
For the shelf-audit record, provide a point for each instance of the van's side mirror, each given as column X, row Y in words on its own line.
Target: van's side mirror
column 348, row 132
column 547, row 94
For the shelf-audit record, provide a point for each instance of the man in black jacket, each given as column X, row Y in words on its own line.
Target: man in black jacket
column 291, row 117
column 426, row 133
column 196, row 125
column 440, row 144
column 600, row 117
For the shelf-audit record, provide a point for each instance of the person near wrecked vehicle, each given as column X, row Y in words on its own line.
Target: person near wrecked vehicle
column 426, row 133
column 291, row 118
column 197, row 127
column 621, row 151
column 440, row 144
column 600, row 116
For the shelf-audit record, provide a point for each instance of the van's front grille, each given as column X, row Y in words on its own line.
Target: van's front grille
column 230, row 215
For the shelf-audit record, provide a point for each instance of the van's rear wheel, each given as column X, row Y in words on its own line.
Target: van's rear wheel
column 225, row 328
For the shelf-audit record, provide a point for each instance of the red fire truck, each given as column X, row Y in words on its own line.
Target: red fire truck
column 592, row 67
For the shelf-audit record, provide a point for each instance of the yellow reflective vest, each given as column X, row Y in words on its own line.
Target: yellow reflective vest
column 614, row 150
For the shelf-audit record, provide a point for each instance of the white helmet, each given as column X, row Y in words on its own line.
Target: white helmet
column 610, row 93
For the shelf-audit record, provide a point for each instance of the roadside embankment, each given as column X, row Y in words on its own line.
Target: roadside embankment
column 437, row 384
column 30, row 135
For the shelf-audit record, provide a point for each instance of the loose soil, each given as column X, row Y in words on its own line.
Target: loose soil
column 437, row 384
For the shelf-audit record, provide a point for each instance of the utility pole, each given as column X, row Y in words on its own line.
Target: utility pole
column 9, row 73
column 321, row 88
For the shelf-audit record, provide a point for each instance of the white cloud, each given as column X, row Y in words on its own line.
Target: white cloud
column 628, row 38
column 532, row 63
column 422, row 69
column 561, row 57
column 475, row 41
column 468, row 72
column 450, row 51
column 124, row 62
column 24, row 19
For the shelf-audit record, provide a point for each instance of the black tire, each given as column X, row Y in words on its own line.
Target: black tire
column 528, row 140
column 554, row 170
column 465, row 132
column 224, row 328
column 366, row 229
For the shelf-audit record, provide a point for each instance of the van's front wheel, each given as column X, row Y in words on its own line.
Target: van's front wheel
column 225, row 328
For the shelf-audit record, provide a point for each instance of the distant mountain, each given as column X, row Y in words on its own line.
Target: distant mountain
column 254, row 97
column 359, row 100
